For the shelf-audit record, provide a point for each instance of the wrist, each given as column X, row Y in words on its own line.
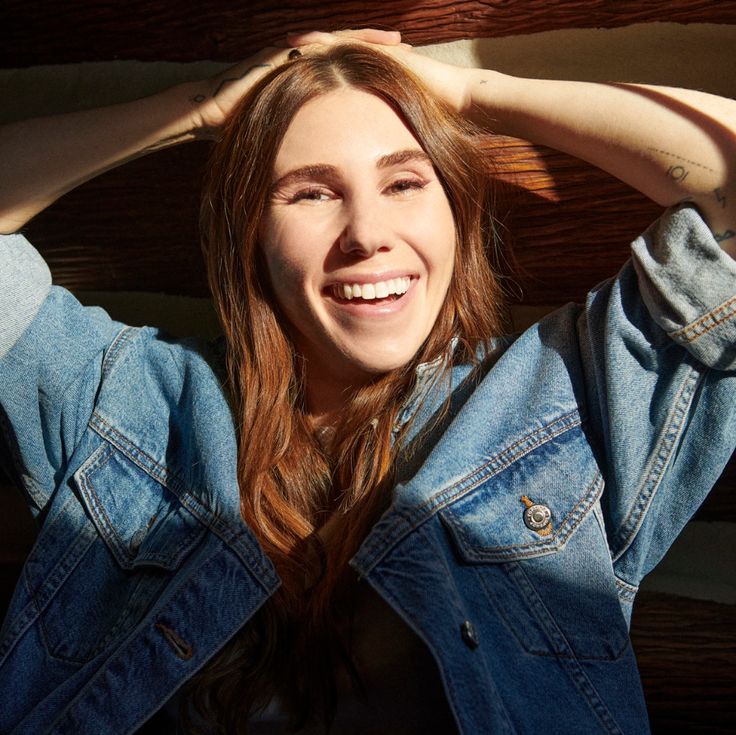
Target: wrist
column 487, row 98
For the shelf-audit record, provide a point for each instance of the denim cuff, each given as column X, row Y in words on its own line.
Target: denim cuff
column 25, row 281
column 688, row 283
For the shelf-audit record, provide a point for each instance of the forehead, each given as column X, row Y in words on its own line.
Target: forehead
column 343, row 128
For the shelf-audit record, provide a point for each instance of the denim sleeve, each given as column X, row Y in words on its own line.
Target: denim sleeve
column 51, row 350
column 659, row 348
column 689, row 286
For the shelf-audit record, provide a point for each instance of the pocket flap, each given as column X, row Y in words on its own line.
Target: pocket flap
column 529, row 508
column 141, row 521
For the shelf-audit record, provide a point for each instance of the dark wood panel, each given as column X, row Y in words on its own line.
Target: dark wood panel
column 720, row 505
column 135, row 228
column 686, row 650
column 86, row 30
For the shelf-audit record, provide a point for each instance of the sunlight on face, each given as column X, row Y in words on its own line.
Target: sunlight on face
column 359, row 237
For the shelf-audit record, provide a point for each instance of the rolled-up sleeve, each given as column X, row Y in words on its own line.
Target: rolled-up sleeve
column 688, row 284
column 51, row 351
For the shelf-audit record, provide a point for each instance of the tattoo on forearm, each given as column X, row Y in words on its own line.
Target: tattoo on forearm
column 198, row 98
column 680, row 158
column 721, row 197
column 678, row 173
column 483, row 81
column 721, row 236
column 235, row 79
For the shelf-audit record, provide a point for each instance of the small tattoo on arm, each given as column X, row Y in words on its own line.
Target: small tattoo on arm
column 680, row 158
column 678, row 173
column 721, row 236
column 235, row 79
column 720, row 197
column 484, row 81
column 198, row 98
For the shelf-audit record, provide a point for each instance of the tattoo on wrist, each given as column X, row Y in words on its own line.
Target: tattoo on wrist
column 721, row 236
column 720, row 196
column 680, row 158
column 244, row 74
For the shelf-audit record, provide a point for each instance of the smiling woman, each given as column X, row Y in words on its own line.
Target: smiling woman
column 367, row 508
column 375, row 213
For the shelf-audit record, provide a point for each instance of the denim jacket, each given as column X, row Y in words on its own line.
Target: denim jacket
column 522, row 524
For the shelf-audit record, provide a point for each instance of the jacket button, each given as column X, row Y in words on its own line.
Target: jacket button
column 469, row 634
column 537, row 516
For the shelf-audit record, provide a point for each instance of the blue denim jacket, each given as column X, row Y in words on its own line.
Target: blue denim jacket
column 517, row 537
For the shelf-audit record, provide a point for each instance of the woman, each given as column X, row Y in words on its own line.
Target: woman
column 434, row 522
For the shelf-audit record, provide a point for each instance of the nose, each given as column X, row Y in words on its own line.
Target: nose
column 366, row 229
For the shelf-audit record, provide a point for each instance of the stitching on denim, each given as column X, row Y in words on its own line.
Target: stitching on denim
column 405, row 523
column 136, row 455
column 656, row 466
column 515, row 551
column 97, row 508
column 39, row 597
column 626, row 591
column 231, row 535
column 707, row 322
column 120, row 340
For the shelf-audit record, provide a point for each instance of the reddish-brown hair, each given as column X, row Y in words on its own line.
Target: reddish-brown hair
column 290, row 486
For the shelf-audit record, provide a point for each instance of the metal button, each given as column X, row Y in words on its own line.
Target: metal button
column 537, row 517
column 469, row 635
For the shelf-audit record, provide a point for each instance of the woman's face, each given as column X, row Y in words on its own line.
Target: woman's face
column 359, row 237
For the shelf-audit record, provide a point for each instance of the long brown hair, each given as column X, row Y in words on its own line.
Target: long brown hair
column 290, row 486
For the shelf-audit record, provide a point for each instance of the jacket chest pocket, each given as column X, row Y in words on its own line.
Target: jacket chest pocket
column 142, row 536
column 539, row 553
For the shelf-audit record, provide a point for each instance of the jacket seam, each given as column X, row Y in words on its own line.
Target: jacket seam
column 556, row 541
column 184, row 495
column 657, row 465
column 707, row 322
column 118, row 344
column 405, row 523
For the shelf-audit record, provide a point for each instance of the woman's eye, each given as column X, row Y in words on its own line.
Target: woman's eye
column 311, row 195
column 406, row 185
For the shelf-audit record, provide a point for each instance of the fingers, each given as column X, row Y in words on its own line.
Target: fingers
column 367, row 35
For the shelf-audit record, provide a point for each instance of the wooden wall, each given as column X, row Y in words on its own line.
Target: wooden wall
column 119, row 232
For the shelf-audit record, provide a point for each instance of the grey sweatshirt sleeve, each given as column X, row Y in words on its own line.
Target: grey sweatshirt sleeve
column 25, row 281
column 688, row 284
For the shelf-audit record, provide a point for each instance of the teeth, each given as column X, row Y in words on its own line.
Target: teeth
column 370, row 291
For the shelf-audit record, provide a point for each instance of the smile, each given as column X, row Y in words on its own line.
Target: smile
column 370, row 291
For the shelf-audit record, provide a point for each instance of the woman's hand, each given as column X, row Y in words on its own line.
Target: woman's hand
column 215, row 98
column 449, row 83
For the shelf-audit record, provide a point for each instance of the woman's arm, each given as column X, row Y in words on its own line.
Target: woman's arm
column 670, row 144
column 43, row 158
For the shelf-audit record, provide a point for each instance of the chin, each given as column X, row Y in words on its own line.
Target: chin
column 384, row 362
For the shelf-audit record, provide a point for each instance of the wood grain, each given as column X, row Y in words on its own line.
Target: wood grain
column 686, row 650
column 87, row 30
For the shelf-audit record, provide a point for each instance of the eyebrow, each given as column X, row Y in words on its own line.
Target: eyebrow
column 324, row 170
